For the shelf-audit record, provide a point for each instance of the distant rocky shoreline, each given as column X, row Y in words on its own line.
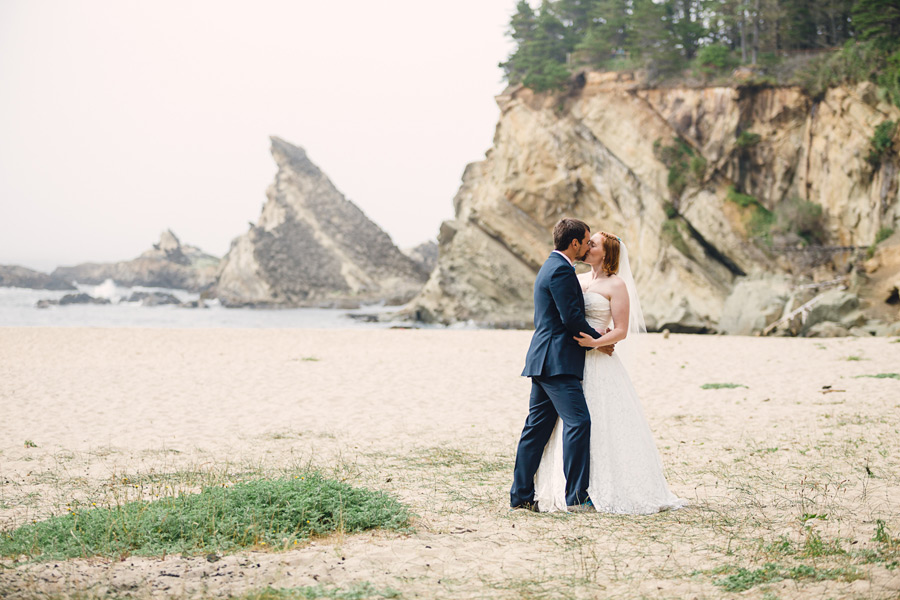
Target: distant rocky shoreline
column 310, row 248
column 759, row 236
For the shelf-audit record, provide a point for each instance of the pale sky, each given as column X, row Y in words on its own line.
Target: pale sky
column 119, row 119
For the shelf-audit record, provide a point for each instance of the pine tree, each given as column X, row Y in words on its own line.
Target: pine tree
column 539, row 60
column 652, row 38
column 687, row 26
column 878, row 21
column 607, row 34
column 522, row 29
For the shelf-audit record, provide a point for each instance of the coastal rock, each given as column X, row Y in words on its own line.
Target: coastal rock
column 425, row 255
column 754, row 304
column 21, row 277
column 598, row 154
column 80, row 298
column 168, row 264
column 827, row 329
column 312, row 247
column 153, row 298
column 836, row 306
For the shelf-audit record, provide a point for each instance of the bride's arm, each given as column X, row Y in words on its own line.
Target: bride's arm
column 618, row 304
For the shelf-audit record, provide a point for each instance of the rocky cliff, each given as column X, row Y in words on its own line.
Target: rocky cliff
column 713, row 190
column 313, row 247
column 168, row 264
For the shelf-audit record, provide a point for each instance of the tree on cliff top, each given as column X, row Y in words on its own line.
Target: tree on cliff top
column 665, row 36
column 539, row 60
column 878, row 21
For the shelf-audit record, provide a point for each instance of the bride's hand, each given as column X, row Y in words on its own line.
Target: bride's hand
column 585, row 340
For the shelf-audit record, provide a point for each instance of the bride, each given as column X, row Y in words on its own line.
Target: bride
column 626, row 474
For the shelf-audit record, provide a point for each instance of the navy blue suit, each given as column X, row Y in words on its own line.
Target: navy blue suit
column 555, row 363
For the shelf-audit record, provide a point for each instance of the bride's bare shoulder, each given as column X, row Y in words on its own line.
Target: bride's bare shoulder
column 616, row 282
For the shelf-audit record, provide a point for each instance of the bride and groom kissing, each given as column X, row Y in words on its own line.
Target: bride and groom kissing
column 586, row 444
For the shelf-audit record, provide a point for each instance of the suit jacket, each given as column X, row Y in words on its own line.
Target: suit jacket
column 558, row 317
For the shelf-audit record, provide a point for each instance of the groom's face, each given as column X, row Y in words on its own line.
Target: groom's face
column 583, row 247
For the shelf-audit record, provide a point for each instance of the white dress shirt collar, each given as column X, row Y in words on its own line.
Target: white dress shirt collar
column 568, row 260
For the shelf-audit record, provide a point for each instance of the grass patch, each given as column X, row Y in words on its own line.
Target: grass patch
column 354, row 592
column 880, row 376
column 266, row 512
column 467, row 463
column 722, row 386
column 671, row 232
column 685, row 166
column 883, row 234
column 853, row 358
column 747, row 139
column 744, row 579
column 758, row 220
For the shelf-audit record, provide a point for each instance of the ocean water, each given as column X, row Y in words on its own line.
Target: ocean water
column 17, row 309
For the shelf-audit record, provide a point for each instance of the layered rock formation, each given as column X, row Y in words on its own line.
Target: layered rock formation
column 311, row 246
column 599, row 153
column 15, row 276
column 168, row 264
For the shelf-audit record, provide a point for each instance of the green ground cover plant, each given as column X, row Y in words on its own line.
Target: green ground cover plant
column 272, row 513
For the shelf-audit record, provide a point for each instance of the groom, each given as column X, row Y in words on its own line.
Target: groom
column 555, row 363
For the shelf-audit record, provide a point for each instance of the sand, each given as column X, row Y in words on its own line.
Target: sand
column 433, row 417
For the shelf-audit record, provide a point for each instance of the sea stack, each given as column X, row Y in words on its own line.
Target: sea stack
column 168, row 264
column 313, row 247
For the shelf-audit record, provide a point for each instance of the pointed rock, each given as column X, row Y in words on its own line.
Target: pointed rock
column 312, row 246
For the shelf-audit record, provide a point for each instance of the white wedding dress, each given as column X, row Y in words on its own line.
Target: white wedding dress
column 626, row 474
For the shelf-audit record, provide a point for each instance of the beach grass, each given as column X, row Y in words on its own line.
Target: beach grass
column 358, row 591
column 721, row 386
column 273, row 513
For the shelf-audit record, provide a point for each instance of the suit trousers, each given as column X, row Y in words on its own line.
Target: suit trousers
column 551, row 397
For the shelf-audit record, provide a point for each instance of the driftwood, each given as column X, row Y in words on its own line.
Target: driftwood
column 802, row 310
column 808, row 286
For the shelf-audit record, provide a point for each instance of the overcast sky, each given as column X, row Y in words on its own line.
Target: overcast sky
column 119, row 119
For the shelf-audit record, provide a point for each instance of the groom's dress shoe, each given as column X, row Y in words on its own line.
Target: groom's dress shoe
column 587, row 506
column 532, row 506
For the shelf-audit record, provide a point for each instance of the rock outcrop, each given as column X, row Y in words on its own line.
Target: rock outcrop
column 708, row 187
column 15, row 276
column 313, row 247
column 79, row 298
column 425, row 255
column 168, row 264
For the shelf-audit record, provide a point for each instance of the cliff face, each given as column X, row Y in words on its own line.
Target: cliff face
column 311, row 246
column 603, row 154
column 168, row 264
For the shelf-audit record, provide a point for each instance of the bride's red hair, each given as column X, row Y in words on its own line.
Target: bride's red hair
column 610, row 253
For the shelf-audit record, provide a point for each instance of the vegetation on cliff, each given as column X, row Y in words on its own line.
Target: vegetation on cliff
column 833, row 41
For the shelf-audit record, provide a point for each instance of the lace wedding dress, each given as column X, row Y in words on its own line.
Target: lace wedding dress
column 626, row 473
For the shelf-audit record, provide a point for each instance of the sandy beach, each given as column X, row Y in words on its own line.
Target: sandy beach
column 808, row 448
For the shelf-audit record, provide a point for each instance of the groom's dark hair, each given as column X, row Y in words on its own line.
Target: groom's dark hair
column 567, row 230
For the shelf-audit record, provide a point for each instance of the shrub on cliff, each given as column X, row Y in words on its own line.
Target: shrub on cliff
column 716, row 58
column 686, row 167
column 881, row 142
column 758, row 220
column 801, row 217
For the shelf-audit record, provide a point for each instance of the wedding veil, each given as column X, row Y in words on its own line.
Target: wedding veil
column 636, row 324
